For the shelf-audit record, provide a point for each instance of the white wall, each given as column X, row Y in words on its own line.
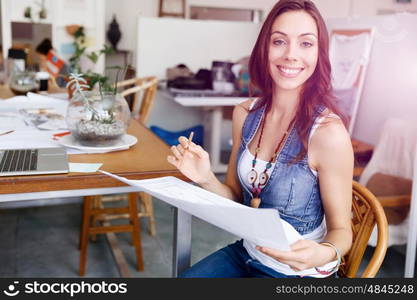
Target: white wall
column 331, row 8
column 263, row 5
column 328, row 8
column 166, row 42
column 127, row 13
column 360, row 8
column 371, row 7
column 390, row 87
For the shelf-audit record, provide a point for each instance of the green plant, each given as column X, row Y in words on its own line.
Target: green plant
column 79, row 84
column 91, row 77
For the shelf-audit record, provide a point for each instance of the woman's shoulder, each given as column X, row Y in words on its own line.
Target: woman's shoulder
column 330, row 145
column 330, row 130
column 327, row 118
column 248, row 104
column 242, row 109
column 241, row 112
column 326, row 113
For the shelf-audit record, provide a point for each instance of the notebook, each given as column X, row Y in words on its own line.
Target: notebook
column 33, row 161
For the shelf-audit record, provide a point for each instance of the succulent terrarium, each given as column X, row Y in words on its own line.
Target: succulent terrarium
column 96, row 118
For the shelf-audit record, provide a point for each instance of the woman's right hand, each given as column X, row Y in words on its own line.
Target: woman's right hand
column 191, row 160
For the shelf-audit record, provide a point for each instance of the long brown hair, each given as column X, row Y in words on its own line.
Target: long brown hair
column 316, row 91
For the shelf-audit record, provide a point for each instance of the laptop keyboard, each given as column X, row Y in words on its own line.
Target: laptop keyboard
column 19, row 160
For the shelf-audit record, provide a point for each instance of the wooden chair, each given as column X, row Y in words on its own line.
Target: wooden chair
column 94, row 212
column 88, row 227
column 366, row 212
column 389, row 174
column 394, row 195
column 144, row 90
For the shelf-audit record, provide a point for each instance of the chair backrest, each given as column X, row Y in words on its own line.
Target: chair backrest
column 366, row 212
column 144, row 90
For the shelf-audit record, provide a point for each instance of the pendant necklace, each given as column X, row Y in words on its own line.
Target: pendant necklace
column 263, row 177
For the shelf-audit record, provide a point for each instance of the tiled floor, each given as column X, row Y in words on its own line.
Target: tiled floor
column 42, row 242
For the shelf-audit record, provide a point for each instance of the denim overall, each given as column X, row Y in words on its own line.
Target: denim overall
column 292, row 188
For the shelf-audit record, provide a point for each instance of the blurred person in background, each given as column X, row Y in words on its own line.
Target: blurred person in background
column 51, row 63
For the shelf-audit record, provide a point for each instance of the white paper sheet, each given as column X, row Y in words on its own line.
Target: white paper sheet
column 25, row 133
column 261, row 226
column 11, row 121
column 29, row 138
column 84, row 168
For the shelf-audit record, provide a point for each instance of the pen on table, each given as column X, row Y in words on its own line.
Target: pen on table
column 190, row 139
column 62, row 133
column 56, row 136
column 7, row 132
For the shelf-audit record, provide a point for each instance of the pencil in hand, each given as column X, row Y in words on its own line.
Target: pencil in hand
column 190, row 139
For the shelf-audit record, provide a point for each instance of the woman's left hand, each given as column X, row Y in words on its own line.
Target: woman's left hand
column 304, row 254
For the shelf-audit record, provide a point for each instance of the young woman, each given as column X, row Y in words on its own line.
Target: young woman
column 290, row 152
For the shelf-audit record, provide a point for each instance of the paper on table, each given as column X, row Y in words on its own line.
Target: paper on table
column 53, row 125
column 24, row 139
column 34, row 138
column 60, row 96
column 261, row 226
column 82, row 151
column 43, row 118
column 84, row 168
column 22, row 102
column 48, row 97
column 11, row 121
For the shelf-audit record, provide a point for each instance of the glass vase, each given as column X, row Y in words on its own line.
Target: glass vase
column 97, row 119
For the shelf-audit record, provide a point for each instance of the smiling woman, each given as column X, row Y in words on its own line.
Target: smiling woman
column 291, row 152
column 291, row 42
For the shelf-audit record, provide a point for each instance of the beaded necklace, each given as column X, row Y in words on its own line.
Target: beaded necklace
column 263, row 177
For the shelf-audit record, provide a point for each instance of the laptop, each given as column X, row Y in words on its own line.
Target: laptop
column 33, row 161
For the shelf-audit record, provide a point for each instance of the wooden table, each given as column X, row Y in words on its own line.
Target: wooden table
column 146, row 159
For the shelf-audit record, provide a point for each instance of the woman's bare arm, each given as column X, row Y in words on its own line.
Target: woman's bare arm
column 195, row 164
